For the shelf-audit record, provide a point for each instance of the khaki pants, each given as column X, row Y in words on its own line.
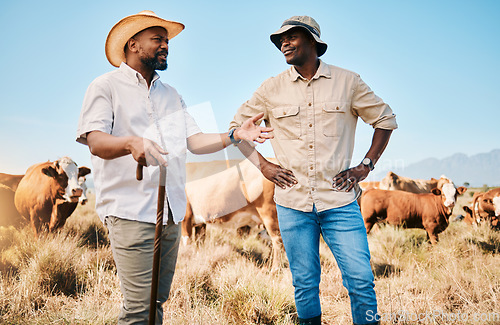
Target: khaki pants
column 132, row 243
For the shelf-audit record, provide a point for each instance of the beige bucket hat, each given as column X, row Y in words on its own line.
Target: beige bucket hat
column 305, row 22
column 123, row 30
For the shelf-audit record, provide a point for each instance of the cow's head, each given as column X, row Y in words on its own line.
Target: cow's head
column 82, row 172
column 390, row 182
column 468, row 213
column 491, row 201
column 469, row 216
column 442, row 181
column 65, row 172
column 449, row 193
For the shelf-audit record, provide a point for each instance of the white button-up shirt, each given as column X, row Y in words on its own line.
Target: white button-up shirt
column 119, row 103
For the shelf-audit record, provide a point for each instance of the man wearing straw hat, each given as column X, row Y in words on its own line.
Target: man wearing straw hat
column 128, row 117
column 313, row 108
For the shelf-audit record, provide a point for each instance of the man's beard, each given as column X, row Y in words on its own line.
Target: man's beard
column 154, row 63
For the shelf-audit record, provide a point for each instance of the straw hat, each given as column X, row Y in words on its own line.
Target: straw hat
column 123, row 30
column 305, row 22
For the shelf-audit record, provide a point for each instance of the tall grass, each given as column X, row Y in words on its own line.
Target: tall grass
column 459, row 276
column 63, row 278
column 70, row 278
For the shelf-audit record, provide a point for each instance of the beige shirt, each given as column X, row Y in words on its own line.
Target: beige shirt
column 314, row 125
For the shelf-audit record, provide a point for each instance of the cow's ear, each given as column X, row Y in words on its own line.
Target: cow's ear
column 50, row 171
column 83, row 171
column 461, row 190
column 436, row 191
column 467, row 209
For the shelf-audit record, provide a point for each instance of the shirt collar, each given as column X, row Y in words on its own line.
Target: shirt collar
column 323, row 71
column 134, row 75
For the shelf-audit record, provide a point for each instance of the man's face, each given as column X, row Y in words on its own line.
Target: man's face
column 297, row 46
column 153, row 47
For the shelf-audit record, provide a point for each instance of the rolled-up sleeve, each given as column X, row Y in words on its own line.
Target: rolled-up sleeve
column 371, row 108
column 192, row 127
column 96, row 113
column 252, row 107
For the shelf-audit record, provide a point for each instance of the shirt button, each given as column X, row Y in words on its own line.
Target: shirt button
column 311, row 146
column 337, row 108
column 313, row 189
column 309, row 104
column 310, row 125
column 311, row 168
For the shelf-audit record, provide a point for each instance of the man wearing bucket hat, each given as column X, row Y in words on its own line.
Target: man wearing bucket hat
column 313, row 108
column 128, row 117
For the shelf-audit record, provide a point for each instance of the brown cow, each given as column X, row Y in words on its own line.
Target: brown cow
column 394, row 182
column 7, row 199
column 234, row 197
column 483, row 208
column 243, row 220
column 10, row 180
column 475, row 213
column 43, row 187
column 368, row 185
column 468, row 218
column 489, row 202
column 9, row 216
column 65, row 209
column 429, row 211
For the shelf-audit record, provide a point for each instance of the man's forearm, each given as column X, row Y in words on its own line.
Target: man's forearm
column 275, row 173
column 252, row 154
column 379, row 143
column 202, row 143
column 205, row 143
column 345, row 180
column 144, row 151
column 107, row 146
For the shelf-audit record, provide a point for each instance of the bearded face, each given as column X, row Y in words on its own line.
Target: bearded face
column 158, row 61
column 151, row 46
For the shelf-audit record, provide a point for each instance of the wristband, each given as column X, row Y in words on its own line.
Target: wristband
column 231, row 137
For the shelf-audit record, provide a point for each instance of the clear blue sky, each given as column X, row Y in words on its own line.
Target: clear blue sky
column 437, row 64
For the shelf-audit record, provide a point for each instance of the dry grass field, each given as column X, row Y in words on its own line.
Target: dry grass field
column 70, row 278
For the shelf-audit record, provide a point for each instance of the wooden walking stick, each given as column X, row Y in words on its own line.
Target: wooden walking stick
column 157, row 247
column 157, row 242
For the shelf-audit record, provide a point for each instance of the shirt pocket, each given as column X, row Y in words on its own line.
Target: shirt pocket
column 333, row 118
column 287, row 122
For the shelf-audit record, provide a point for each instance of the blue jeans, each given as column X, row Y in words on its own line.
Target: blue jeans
column 345, row 234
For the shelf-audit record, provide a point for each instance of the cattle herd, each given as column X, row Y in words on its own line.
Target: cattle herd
column 235, row 194
column 425, row 204
column 395, row 200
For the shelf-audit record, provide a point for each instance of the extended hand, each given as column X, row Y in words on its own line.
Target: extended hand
column 278, row 175
column 251, row 132
column 348, row 178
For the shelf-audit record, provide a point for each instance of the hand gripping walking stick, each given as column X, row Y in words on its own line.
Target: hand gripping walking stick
column 157, row 242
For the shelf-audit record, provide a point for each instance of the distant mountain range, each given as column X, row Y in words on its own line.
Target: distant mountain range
column 477, row 170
